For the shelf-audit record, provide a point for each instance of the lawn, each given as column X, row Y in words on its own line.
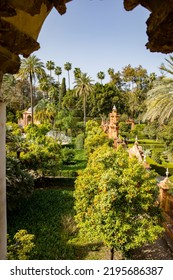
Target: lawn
column 49, row 215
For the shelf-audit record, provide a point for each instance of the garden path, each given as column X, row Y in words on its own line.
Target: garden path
column 162, row 249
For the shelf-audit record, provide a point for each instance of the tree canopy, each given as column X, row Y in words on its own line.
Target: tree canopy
column 159, row 101
column 116, row 201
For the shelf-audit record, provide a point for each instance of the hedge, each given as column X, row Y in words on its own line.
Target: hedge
column 50, row 182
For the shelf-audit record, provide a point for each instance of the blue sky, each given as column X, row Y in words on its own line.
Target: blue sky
column 95, row 35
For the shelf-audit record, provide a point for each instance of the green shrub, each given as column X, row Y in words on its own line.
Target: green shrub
column 138, row 130
column 124, row 129
column 43, row 157
column 156, row 156
column 21, row 246
column 160, row 170
column 79, row 141
column 68, row 155
column 20, row 184
column 47, row 182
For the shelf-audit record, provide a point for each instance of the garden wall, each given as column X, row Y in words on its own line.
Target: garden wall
column 166, row 203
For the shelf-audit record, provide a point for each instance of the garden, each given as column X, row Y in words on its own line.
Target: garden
column 64, row 198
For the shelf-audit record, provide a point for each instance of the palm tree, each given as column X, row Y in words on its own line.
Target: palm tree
column 31, row 68
column 83, row 86
column 159, row 101
column 58, row 71
column 45, row 111
column 77, row 72
column 67, row 67
column 45, row 84
column 50, row 65
column 111, row 72
column 168, row 69
column 101, row 76
column 40, row 110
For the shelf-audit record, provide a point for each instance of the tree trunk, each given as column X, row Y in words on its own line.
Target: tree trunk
column 84, row 107
column 32, row 105
column 69, row 79
column 112, row 253
column 3, row 215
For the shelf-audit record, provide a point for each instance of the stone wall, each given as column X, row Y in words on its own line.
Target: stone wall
column 166, row 203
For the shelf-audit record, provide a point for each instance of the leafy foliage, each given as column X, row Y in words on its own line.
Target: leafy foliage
column 102, row 99
column 19, row 183
column 156, row 156
column 43, row 155
column 151, row 130
column 159, row 101
column 95, row 136
column 68, row 155
column 79, row 141
column 16, row 95
column 83, row 86
column 48, row 215
column 21, row 246
column 116, row 201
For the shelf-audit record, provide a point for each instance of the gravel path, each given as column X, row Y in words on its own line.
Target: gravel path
column 162, row 249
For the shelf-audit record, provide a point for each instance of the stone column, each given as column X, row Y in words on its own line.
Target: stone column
column 3, row 217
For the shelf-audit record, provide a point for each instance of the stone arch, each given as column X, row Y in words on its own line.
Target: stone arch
column 20, row 24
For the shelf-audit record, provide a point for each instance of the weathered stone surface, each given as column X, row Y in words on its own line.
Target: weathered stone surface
column 160, row 29
column 151, row 5
column 130, row 5
column 9, row 62
column 20, row 24
column 16, row 41
column 60, row 5
column 6, row 9
column 159, row 24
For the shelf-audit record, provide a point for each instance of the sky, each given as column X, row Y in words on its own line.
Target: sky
column 96, row 35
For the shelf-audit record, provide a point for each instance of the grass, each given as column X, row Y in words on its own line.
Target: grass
column 49, row 215
column 80, row 161
column 44, row 215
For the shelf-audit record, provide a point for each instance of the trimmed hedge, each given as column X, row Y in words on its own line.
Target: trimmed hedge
column 161, row 170
column 53, row 182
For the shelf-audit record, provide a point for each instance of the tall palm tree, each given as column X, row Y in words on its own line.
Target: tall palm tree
column 83, row 86
column 159, row 101
column 68, row 67
column 111, row 72
column 101, row 76
column 58, row 71
column 31, row 68
column 45, row 83
column 40, row 110
column 77, row 72
column 50, row 65
column 45, row 111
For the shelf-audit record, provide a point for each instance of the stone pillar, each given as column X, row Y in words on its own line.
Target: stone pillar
column 3, row 217
column 163, row 193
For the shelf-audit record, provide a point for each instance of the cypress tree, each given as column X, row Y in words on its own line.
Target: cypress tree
column 62, row 92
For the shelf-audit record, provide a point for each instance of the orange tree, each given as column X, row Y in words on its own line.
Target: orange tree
column 115, row 201
column 95, row 137
column 43, row 155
